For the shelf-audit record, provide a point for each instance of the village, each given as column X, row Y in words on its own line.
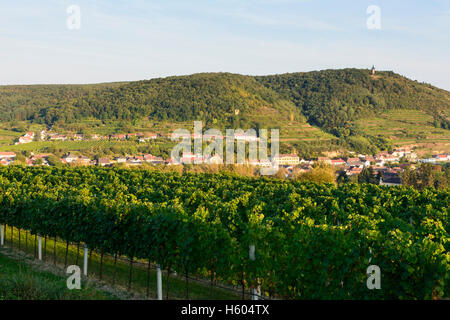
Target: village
column 389, row 164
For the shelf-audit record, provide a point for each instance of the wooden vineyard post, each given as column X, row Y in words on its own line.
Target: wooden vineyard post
column 85, row 264
column 40, row 248
column 159, row 282
column 2, row 239
column 252, row 258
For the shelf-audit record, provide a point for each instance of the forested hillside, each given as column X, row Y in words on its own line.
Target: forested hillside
column 333, row 100
column 222, row 99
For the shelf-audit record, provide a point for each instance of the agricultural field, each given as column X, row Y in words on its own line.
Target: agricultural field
column 309, row 241
column 408, row 128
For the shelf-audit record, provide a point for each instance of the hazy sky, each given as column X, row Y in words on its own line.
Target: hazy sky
column 142, row 39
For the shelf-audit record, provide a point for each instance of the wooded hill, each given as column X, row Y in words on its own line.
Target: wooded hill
column 332, row 100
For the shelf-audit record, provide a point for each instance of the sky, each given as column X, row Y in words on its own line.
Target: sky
column 124, row 40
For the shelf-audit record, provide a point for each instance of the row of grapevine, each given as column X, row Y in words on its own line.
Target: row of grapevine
column 313, row 241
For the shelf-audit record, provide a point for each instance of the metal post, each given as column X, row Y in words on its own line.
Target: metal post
column 159, row 281
column 85, row 265
column 2, row 239
column 40, row 248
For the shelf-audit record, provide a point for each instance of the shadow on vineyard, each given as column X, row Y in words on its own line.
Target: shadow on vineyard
column 20, row 280
column 114, row 273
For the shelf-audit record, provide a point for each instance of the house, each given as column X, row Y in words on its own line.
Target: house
column 70, row 158
column 151, row 136
column 121, row 159
column 302, row 169
column 390, row 179
column 441, row 157
column 381, row 155
column 338, row 162
column 402, row 152
column 118, row 137
column 58, row 137
column 43, row 157
column 152, row 159
column 350, row 161
column 366, row 163
column 148, row 157
column 135, row 135
column 429, row 160
column 287, row 159
column 84, row 160
column 303, row 161
column 157, row 160
column 378, row 170
column 411, row 156
column 353, row 171
column 103, row 162
column 407, row 165
column 135, row 160
column 9, row 156
column 25, row 139
column 356, row 164
column 391, row 158
column 147, row 137
column 189, row 158
column 324, row 159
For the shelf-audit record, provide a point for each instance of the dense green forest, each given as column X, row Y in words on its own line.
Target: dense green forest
column 331, row 99
column 222, row 99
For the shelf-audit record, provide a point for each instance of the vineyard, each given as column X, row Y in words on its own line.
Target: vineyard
column 310, row 241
